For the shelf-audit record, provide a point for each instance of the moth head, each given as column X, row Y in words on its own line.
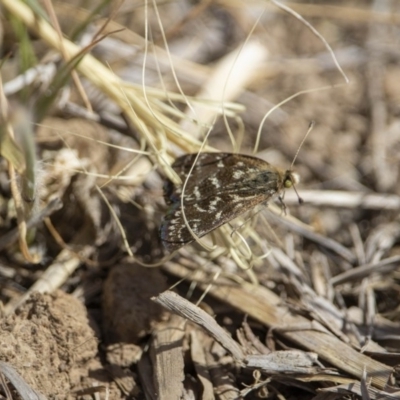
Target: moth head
column 290, row 179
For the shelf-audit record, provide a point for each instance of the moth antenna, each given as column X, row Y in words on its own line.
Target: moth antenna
column 301, row 201
column 310, row 128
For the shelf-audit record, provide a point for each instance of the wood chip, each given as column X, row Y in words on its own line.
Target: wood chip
column 184, row 308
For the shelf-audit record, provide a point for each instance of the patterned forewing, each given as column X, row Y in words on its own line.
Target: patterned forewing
column 217, row 172
column 205, row 165
column 221, row 187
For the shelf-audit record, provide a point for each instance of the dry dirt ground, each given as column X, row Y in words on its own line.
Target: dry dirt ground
column 308, row 309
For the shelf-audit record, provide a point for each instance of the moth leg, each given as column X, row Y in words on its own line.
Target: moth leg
column 283, row 205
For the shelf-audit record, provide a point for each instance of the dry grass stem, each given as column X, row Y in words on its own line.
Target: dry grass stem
column 336, row 198
column 53, row 278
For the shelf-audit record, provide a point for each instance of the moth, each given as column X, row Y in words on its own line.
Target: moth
column 221, row 187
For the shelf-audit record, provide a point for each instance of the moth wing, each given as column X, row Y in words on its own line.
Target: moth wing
column 183, row 164
column 204, row 166
column 216, row 172
column 209, row 162
column 204, row 216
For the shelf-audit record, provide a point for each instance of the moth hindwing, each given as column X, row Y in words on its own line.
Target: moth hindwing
column 221, row 187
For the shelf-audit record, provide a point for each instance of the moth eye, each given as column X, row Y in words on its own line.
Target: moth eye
column 288, row 183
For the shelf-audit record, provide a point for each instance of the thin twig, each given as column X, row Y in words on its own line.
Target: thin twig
column 344, row 199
